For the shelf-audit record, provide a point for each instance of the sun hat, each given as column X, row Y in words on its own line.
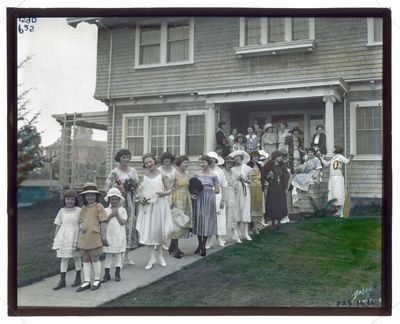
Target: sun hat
column 90, row 187
column 114, row 192
column 215, row 156
column 268, row 125
column 296, row 128
column 263, row 155
column 244, row 154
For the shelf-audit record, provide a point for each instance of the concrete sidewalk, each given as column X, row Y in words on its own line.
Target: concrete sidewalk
column 41, row 294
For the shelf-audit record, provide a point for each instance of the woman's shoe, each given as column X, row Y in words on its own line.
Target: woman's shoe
column 84, row 286
column 96, row 285
column 106, row 276
column 197, row 250
column 178, row 254
column 162, row 261
column 203, row 252
column 150, row 265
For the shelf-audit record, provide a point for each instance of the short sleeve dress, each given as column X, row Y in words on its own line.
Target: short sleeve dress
column 66, row 239
column 181, row 199
column 303, row 180
column 244, row 215
column 116, row 235
column 336, row 179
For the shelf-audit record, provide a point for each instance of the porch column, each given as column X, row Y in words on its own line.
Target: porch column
column 329, row 123
column 210, row 127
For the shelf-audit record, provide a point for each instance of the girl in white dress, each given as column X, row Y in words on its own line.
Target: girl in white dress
column 336, row 179
column 116, row 234
column 154, row 222
column 66, row 237
column 125, row 178
column 241, row 170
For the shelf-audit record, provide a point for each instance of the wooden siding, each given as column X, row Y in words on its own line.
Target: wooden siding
column 365, row 179
column 340, row 51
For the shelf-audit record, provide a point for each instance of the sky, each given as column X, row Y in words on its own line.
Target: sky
column 61, row 72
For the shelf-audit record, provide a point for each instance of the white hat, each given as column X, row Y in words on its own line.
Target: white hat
column 268, row 125
column 244, row 154
column 263, row 154
column 114, row 192
column 215, row 156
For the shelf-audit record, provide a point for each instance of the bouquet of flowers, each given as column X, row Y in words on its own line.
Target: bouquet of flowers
column 146, row 195
column 129, row 185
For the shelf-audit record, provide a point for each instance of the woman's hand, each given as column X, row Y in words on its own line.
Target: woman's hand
column 160, row 194
column 222, row 204
column 82, row 228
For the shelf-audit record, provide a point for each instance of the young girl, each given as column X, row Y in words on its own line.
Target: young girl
column 93, row 226
column 116, row 235
column 336, row 180
column 154, row 222
column 66, row 237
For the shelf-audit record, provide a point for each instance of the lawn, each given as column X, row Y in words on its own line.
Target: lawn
column 316, row 262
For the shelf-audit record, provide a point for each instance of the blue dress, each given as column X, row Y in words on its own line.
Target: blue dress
column 204, row 208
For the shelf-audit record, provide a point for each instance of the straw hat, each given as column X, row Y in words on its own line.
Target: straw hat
column 215, row 156
column 244, row 154
column 263, row 155
column 90, row 187
column 114, row 192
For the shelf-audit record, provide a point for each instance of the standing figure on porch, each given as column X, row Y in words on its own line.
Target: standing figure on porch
column 295, row 148
column 222, row 138
column 154, row 222
column 66, row 237
column 92, row 237
column 251, row 140
column 241, row 170
column 116, row 234
column 319, row 140
column 276, row 180
column 239, row 143
column 309, row 173
column 336, row 180
column 232, row 138
column 126, row 180
column 182, row 202
column 259, row 134
column 219, row 199
column 283, row 132
column 204, row 204
column 232, row 199
column 269, row 142
column 256, row 191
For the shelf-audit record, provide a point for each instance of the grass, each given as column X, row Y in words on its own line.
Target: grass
column 317, row 262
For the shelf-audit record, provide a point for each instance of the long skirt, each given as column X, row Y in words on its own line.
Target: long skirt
column 336, row 189
column 204, row 213
column 276, row 203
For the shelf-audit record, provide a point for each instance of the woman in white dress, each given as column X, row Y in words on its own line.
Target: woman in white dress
column 336, row 179
column 154, row 222
column 66, row 237
column 241, row 170
column 283, row 132
column 309, row 173
column 125, row 178
column 116, row 234
column 269, row 141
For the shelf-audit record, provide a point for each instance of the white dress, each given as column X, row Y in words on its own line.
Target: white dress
column 154, row 222
column 66, row 240
column 244, row 214
column 221, row 213
column 116, row 233
column 303, row 180
column 336, row 179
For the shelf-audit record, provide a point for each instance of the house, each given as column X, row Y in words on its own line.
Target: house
column 167, row 81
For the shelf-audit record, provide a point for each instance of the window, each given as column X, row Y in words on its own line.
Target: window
column 366, row 129
column 178, row 133
column 270, row 36
column 375, row 31
column 164, row 42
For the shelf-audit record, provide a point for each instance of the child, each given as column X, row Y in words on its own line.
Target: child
column 116, row 234
column 93, row 226
column 154, row 222
column 66, row 237
column 336, row 180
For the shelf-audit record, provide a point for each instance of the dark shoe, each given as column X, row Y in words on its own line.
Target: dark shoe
column 78, row 279
column 197, row 250
column 117, row 274
column 84, row 286
column 203, row 252
column 178, row 254
column 96, row 285
column 106, row 276
column 61, row 283
column 171, row 247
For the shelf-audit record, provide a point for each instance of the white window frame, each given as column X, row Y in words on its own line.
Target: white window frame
column 163, row 22
column 353, row 129
column 265, row 48
column 146, row 128
column 370, row 26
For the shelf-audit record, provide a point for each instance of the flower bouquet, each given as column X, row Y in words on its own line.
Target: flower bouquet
column 146, row 195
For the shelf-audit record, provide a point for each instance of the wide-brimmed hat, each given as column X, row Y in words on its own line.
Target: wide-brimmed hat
column 90, row 187
column 114, row 192
column 296, row 128
column 215, row 156
column 195, row 186
column 268, row 125
column 229, row 159
column 263, row 155
column 244, row 154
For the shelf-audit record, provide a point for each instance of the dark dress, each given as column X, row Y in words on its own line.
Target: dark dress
column 321, row 146
column 278, row 179
column 222, row 141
